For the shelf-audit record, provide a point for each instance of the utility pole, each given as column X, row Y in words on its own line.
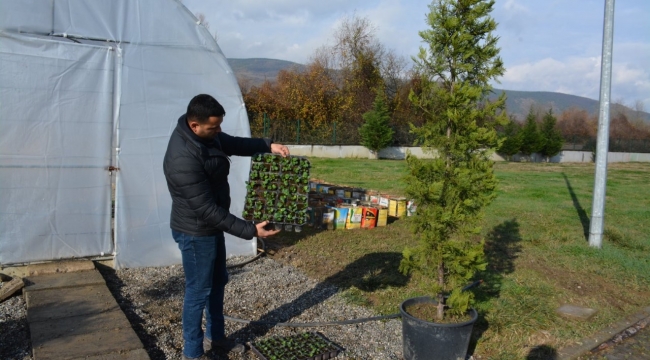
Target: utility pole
column 602, row 148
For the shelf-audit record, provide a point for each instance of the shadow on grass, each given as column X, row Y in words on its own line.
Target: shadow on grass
column 368, row 273
column 542, row 352
column 582, row 214
column 502, row 247
column 289, row 238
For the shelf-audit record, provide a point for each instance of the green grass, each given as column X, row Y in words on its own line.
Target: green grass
column 385, row 175
column 536, row 243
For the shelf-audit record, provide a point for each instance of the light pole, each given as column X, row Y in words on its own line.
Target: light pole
column 602, row 146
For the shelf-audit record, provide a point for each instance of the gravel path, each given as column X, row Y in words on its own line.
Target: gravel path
column 263, row 290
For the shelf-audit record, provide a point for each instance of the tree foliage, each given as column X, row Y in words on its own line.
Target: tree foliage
column 531, row 139
column 551, row 137
column 456, row 66
column 338, row 85
column 511, row 139
column 376, row 133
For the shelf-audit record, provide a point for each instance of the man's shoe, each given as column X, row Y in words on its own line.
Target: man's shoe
column 223, row 344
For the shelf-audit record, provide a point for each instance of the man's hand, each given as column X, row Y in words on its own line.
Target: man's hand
column 280, row 150
column 262, row 232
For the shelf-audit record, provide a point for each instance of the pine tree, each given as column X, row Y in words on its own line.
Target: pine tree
column 511, row 139
column 456, row 68
column 375, row 133
column 551, row 136
column 531, row 140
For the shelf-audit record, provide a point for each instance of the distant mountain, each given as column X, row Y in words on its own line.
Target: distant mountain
column 518, row 102
column 256, row 71
column 259, row 70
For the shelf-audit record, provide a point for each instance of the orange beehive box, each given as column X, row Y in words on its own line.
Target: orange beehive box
column 369, row 218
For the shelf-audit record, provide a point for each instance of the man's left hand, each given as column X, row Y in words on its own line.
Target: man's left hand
column 280, row 150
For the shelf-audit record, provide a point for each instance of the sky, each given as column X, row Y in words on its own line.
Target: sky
column 550, row 45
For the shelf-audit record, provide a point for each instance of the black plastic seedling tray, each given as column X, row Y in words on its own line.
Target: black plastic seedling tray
column 305, row 346
column 277, row 191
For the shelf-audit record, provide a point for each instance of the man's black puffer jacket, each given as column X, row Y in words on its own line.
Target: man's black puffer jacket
column 197, row 177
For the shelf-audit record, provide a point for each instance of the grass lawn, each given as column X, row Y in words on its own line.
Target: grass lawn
column 535, row 241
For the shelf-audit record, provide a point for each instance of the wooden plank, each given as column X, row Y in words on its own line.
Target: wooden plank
column 10, row 288
column 60, row 303
column 42, row 331
column 85, row 345
column 139, row 354
column 54, row 281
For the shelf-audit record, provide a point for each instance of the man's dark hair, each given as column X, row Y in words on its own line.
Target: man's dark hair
column 202, row 107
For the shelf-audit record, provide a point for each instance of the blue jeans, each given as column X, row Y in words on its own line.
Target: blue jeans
column 204, row 263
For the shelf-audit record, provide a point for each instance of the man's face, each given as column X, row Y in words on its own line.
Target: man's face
column 209, row 130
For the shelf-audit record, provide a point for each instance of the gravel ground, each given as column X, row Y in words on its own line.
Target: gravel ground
column 631, row 344
column 14, row 330
column 263, row 290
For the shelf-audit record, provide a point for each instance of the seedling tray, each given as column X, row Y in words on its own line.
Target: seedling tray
column 305, row 346
column 277, row 191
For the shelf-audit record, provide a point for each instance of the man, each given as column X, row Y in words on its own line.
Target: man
column 196, row 167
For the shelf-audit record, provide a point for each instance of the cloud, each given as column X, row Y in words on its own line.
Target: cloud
column 513, row 7
column 281, row 29
column 550, row 73
column 514, row 18
column 548, row 45
column 275, row 11
column 577, row 76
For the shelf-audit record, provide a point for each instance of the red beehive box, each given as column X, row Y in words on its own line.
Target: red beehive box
column 369, row 218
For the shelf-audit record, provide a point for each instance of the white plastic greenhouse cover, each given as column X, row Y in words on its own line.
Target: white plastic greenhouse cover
column 85, row 85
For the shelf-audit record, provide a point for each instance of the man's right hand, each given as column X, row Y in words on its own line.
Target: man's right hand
column 262, row 232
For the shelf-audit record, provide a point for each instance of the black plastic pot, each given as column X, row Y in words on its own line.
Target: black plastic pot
column 425, row 340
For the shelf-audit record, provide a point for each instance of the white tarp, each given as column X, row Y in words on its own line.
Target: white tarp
column 160, row 59
column 55, row 145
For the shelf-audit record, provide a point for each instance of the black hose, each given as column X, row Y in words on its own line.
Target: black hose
column 312, row 324
column 261, row 253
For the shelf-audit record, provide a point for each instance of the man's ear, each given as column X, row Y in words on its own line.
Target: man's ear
column 194, row 125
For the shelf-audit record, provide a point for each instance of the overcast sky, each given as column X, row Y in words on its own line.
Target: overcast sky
column 550, row 45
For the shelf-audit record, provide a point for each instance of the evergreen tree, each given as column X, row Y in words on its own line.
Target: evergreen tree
column 531, row 140
column 511, row 139
column 375, row 133
column 456, row 67
column 551, row 136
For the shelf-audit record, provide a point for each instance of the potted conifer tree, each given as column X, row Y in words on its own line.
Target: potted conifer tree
column 456, row 67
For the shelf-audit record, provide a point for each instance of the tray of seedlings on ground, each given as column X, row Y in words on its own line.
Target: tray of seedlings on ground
column 305, row 346
column 277, row 191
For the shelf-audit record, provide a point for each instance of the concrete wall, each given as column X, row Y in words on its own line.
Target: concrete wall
column 399, row 153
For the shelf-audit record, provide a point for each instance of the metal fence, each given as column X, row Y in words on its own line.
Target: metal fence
column 615, row 145
column 297, row 132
